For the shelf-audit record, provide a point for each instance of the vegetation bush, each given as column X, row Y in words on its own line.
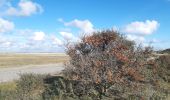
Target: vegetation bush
column 113, row 66
column 58, row 88
column 28, row 87
column 164, row 67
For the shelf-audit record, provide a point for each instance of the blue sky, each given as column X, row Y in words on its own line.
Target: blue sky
column 46, row 25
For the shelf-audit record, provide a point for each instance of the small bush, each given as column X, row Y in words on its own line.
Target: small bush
column 164, row 67
column 30, row 86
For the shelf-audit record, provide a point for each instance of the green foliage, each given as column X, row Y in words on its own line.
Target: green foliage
column 28, row 87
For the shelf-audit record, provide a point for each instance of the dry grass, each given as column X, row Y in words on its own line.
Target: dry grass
column 22, row 59
column 7, row 86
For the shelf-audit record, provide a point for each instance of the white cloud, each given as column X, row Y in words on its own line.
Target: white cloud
column 31, row 41
column 6, row 26
column 142, row 28
column 25, row 8
column 85, row 25
column 24, row 31
column 57, row 41
column 4, row 42
column 136, row 38
column 39, row 36
column 69, row 37
column 66, row 35
column 7, row 44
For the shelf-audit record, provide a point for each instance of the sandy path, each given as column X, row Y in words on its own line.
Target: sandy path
column 9, row 74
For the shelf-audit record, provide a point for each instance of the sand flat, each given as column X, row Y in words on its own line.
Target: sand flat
column 10, row 74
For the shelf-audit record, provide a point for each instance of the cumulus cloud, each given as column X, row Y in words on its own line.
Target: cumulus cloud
column 136, row 38
column 27, row 40
column 67, row 35
column 7, row 44
column 6, row 26
column 24, row 31
column 25, row 8
column 70, row 37
column 39, row 36
column 4, row 42
column 85, row 25
column 141, row 28
column 57, row 41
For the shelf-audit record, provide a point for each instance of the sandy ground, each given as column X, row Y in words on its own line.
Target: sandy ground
column 10, row 74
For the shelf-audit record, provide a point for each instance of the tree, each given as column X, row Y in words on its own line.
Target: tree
column 106, row 58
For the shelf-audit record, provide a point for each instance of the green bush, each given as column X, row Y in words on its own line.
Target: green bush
column 30, row 86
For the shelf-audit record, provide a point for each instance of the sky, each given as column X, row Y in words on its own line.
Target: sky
column 47, row 25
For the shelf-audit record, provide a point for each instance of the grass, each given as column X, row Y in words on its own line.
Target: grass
column 8, row 86
column 28, row 87
column 22, row 59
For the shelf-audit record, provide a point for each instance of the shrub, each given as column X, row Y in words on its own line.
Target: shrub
column 164, row 67
column 58, row 88
column 30, row 87
column 106, row 58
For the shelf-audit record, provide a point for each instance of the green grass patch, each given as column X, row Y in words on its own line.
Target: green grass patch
column 8, row 86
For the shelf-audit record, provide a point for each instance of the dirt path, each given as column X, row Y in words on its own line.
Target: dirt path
column 9, row 74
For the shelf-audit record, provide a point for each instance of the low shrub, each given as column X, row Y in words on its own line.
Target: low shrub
column 30, row 86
